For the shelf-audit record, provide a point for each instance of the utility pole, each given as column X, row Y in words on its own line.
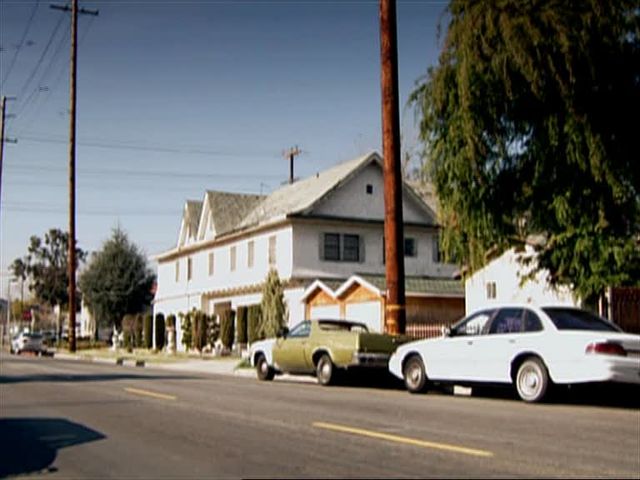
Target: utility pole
column 395, row 314
column 3, row 140
column 72, row 163
column 291, row 154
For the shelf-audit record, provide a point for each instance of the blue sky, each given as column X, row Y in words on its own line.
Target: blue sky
column 175, row 97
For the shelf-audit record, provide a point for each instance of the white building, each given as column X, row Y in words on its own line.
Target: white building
column 328, row 226
column 503, row 280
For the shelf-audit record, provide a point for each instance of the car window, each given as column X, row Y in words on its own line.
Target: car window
column 507, row 320
column 532, row 322
column 474, row 325
column 575, row 319
column 301, row 330
column 342, row 325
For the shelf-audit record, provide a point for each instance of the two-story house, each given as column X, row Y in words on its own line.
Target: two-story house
column 327, row 227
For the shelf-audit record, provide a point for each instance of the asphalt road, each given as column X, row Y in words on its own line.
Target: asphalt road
column 65, row 419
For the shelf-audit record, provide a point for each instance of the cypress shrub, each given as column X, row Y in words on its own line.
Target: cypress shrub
column 254, row 315
column 128, row 327
column 187, row 331
column 171, row 325
column 213, row 329
column 227, row 328
column 137, row 331
column 160, row 333
column 147, row 331
column 200, row 328
column 241, row 325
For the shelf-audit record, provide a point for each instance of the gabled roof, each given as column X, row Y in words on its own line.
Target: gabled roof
column 302, row 195
column 227, row 209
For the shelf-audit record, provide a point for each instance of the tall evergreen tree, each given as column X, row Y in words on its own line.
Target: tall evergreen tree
column 272, row 306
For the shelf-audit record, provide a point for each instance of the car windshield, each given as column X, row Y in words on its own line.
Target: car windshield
column 343, row 326
column 573, row 319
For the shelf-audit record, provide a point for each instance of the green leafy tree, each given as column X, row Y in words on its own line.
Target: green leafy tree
column 46, row 267
column 272, row 306
column 526, row 136
column 117, row 280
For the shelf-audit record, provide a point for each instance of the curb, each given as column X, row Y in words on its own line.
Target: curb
column 109, row 361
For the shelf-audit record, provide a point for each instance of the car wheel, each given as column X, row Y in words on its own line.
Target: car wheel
column 325, row 370
column 532, row 380
column 415, row 377
column 265, row 372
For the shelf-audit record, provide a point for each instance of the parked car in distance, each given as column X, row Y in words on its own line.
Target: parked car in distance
column 322, row 348
column 28, row 342
column 529, row 347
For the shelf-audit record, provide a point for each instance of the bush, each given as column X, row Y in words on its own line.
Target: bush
column 213, row 329
column 171, row 324
column 254, row 315
column 128, row 328
column 137, row 331
column 187, row 330
column 147, row 331
column 171, row 321
column 160, row 333
column 200, row 329
column 241, row 325
column 227, row 328
column 273, row 306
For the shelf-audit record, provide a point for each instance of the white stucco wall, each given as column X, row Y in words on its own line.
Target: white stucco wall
column 506, row 272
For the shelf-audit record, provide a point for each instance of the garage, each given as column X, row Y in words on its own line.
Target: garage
column 367, row 313
column 325, row 311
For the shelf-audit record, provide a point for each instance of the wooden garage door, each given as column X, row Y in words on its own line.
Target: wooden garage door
column 325, row 312
column 367, row 313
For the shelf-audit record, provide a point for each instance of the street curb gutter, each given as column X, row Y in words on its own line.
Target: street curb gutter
column 109, row 361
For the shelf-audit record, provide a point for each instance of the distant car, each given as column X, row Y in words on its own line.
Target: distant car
column 529, row 347
column 28, row 342
column 322, row 348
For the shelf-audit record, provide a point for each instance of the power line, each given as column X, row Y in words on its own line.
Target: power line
column 21, row 44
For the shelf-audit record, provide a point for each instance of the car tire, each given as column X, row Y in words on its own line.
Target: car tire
column 264, row 371
column 415, row 376
column 532, row 380
column 325, row 370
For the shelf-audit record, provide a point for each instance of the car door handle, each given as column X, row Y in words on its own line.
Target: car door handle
column 469, row 342
column 512, row 341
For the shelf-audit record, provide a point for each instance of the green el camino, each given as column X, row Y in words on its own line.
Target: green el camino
column 322, row 348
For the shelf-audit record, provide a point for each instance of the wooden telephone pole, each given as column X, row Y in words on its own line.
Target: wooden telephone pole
column 72, row 164
column 3, row 139
column 395, row 315
column 291, row 154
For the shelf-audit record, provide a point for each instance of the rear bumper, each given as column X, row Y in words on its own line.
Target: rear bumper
column 373, row 360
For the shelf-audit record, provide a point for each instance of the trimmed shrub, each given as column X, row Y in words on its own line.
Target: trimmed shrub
column 254, row 315
column 171, row 325
column 128, row 328
column 147, row 331
column 213, row 329
column 160, row 331
column 227, row 328
column 137, row 331
column 273, row 305
column 171, row 321
column 241, row 325
column 187, row 330
column 200, row 327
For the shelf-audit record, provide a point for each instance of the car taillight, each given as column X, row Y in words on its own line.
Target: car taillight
column 606, row 348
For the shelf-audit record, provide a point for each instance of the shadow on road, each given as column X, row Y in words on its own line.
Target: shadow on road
column 103, row 377
column 29, row 445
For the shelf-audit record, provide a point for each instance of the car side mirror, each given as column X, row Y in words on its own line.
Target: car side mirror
column 283, row 332
column 446, row 331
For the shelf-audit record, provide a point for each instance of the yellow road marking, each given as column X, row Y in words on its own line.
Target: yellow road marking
column 405, row 440
column 150, row 394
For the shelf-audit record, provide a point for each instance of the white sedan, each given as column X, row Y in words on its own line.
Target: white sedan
column 523, row 345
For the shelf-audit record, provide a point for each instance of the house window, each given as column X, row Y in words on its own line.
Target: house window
column 250, row 253
column 410, row 247
column 189, row 268
column 369, row 189
column 337, row 247
column 211, row 263
column 272, row 250
column 177, row 270
column 491, row 290
column 332, row 246
column 232, row 259
column 351, row 248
